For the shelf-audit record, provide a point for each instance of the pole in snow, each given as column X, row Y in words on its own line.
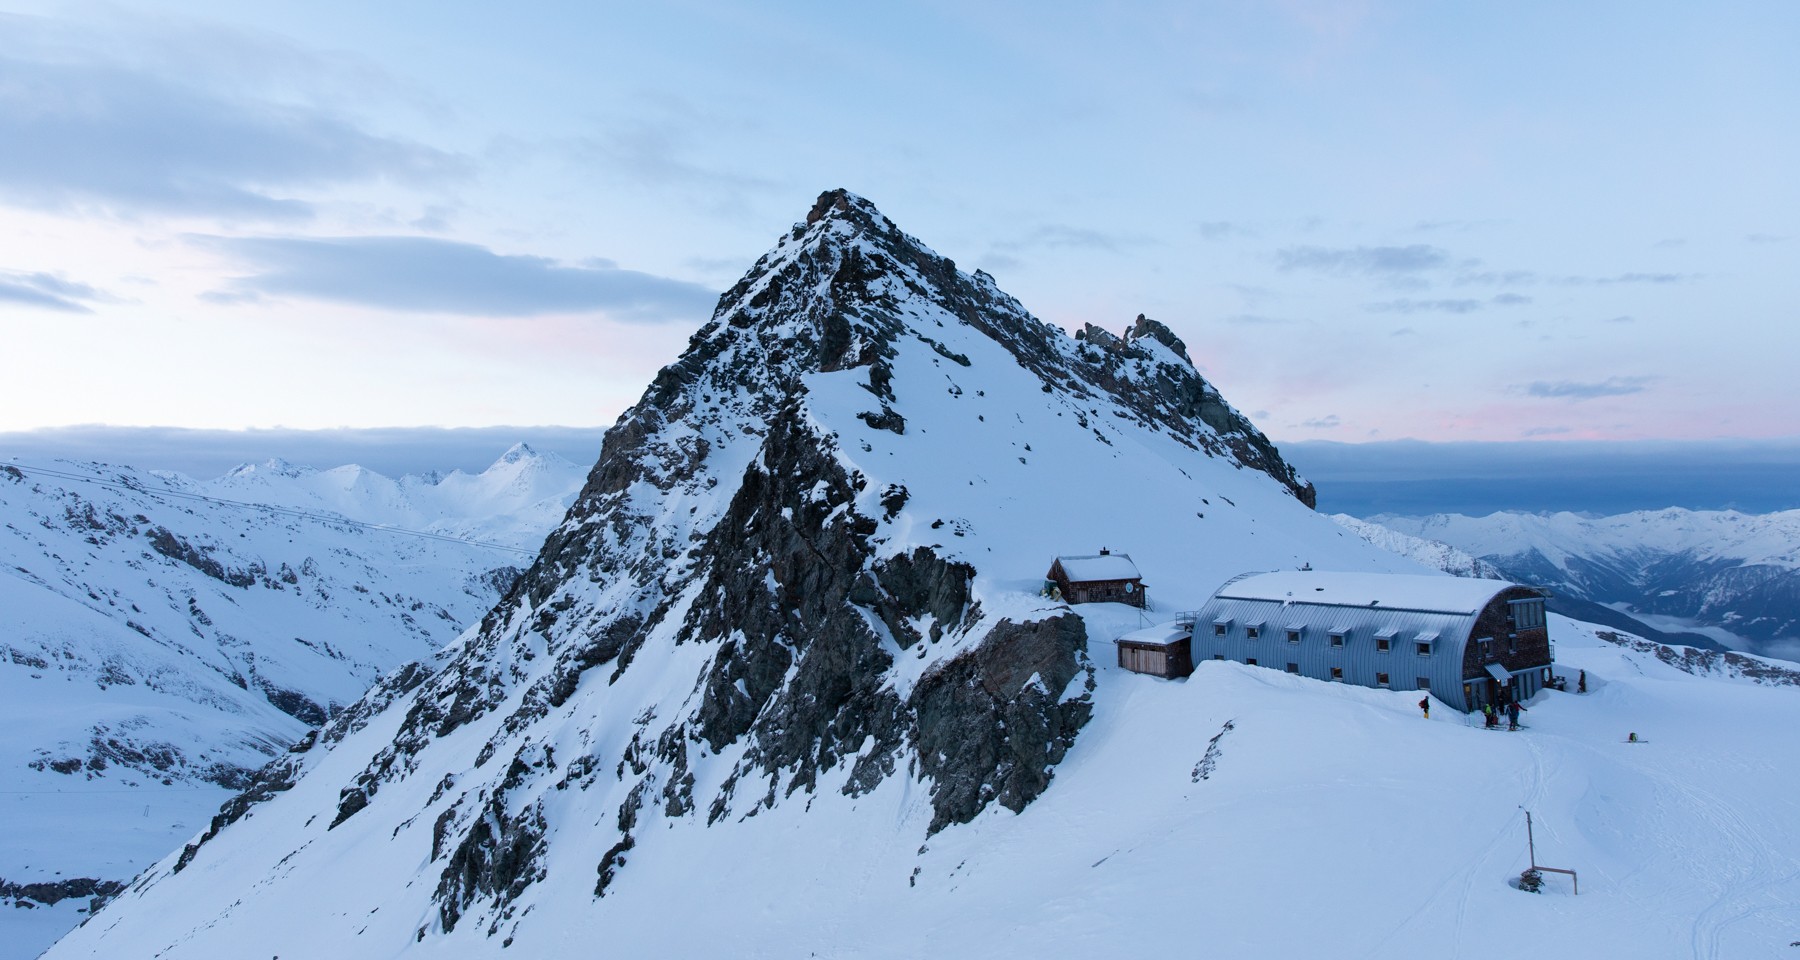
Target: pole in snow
column 1530, row 841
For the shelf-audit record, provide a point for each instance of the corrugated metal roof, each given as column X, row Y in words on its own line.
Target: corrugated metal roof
column 1105, row 566
column 1421, row 592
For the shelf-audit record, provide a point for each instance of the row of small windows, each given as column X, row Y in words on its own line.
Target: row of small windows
column 1337, row 673
column 1383, row 644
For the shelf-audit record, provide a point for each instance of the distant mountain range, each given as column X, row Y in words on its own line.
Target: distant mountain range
column 1702, row 578
column 164, row 637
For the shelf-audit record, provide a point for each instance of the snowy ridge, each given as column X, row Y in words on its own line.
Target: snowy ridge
column 159, row 648
column 1435, row 554
column 1771, row 539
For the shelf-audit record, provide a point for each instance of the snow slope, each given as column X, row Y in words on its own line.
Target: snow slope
column 1435, row 554
column 156, row 647
column 1326, row 821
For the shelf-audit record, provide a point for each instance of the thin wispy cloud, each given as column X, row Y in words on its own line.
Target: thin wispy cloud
column 1413, row 258
column 83, row 134
column 1632, row 277
column 1577, row 390
column 1424, row 306
column 1065, row 236
column 49, row 292
column 1257, row 320
column 1223, row 230
column 1496, row 278
column 1464, row 305
column 429, row 275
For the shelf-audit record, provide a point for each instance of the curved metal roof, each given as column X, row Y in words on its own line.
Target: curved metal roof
column 1424, row 593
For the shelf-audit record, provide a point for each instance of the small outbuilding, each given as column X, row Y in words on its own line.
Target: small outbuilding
column 1165, row 650
column 1467, row 642
column 1104, row 577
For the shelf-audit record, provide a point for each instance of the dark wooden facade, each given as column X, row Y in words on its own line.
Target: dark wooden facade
column 1075, row 589
column 1521, row 649
column 1174, row 659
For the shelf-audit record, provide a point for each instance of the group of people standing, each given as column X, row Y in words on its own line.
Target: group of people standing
column 1491, row 715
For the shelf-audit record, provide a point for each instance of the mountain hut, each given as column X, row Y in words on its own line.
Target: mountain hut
column 1467, row 642
column 1105, row 577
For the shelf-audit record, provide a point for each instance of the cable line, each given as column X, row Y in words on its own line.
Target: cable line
column 267, row 508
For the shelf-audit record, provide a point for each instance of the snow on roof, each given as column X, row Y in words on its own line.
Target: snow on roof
column 1160, row 635
column 1105, row 566
column 1426, row 592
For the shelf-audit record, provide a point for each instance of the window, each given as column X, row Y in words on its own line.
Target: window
column 1381, row 679
column 1424, row 649
column 1218, row 656
column 1382, row 644
column 1251, row 661
column 1251, row 633
column 1219, row 628
column 1293, row 668
column 1527, row 614
column 1337, row 638
column 1487, row 647
column 1337, row 673
column 1424, row 683
column 1293, row 635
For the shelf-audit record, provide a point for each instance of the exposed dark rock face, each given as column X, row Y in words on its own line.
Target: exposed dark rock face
column 293, row 703
column 992, row 724
column 498, row 856
column 175, row 548
column 51, row 892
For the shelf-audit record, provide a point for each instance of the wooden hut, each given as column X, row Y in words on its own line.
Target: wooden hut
column 1105, row 577
column 1162, row 651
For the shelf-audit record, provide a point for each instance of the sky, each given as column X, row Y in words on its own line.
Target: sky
column 1369, row 221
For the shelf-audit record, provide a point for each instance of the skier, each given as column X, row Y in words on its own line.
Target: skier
column 1512, row 715
column 1425, row 705
column 1581, row 682
column 1489, row 719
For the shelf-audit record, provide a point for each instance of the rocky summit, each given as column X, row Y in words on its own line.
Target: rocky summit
column 807, row 568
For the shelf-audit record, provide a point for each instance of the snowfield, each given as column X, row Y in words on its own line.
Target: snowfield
column 1325, row 821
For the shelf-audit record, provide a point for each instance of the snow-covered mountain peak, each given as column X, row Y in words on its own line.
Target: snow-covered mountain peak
column 805, row 571
column 517, row 452
column 272, row 467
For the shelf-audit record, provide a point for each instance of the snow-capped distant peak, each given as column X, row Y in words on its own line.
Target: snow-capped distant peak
column 274, row 466
column 517, row 452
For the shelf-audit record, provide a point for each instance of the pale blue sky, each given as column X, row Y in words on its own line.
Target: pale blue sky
column 1369, row 221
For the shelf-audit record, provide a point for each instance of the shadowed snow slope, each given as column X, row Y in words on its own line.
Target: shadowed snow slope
column 782, row 683
column 158, row 648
